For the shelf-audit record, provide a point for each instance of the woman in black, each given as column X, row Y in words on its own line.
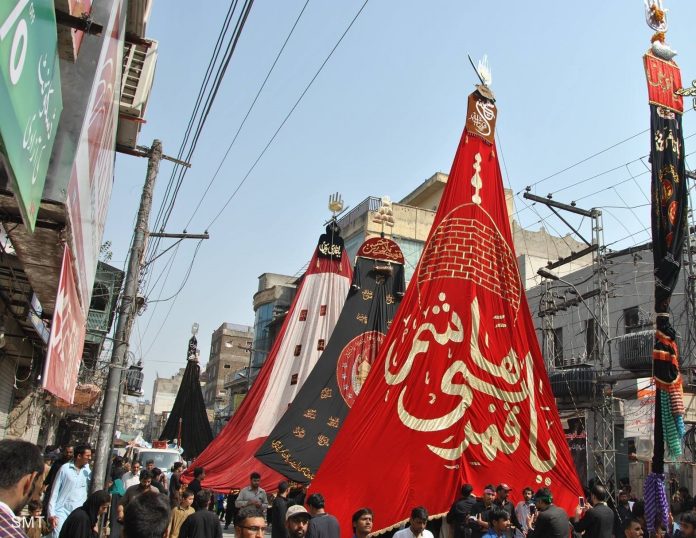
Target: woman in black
column 83, row 522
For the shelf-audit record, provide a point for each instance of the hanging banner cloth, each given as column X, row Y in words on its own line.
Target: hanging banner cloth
column 297, row 445
column 188, row 420
column 669, row 225
column 229, row 459
column 458, row 392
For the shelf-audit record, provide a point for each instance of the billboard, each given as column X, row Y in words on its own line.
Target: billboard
column 67, row 336
column 91, row 179
column 30, row 98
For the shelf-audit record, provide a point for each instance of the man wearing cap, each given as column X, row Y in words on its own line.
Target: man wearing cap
column 480, row 513
column 297, row 521
column 549, row 521
column 501, row 502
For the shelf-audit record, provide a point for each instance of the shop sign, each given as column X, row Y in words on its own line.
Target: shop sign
column 67, row 336
column 30, row 97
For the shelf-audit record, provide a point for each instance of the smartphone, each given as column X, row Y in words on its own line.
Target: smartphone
column 532, row 509
column 581, row 502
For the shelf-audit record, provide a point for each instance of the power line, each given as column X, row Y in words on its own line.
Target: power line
column 173, row 298
column 251, row 107
column 176, row 180
column 201, row 92
column 263, row 152
column 588, row 158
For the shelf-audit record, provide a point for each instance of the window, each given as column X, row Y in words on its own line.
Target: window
column 227, row 366
column 322, row 310
column 293, row 379
column 321, row 344
column 298, row 349
column 303, row 315
column 558, row 346
column 591, row 343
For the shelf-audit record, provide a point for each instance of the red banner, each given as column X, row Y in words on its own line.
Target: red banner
column 664, row 78
column 67, row 337
column 458, row 392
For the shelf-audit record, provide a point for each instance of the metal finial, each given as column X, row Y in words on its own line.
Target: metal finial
column 335, row 203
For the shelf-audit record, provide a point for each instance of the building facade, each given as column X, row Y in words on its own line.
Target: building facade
column 229, row 352
column 596, row 331
column 272, row 300
column 414, row 215
column 55, row 190
column 164, row 391
column 133, row 417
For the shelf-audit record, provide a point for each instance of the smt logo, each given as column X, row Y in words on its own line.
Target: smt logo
column 28, row 522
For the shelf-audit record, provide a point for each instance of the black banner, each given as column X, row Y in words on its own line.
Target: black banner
column 669, row 201
column 297, row 445
column 576, row 435
column 330, row 243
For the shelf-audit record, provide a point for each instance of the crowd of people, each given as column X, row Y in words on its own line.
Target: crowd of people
column 38, row 500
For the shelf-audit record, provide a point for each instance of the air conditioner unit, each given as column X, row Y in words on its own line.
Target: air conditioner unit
column 139, row 61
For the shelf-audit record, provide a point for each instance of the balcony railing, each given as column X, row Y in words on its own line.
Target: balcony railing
column 97, row 326
column 371, row 203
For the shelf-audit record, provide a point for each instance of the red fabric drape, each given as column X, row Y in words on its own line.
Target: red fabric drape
column 459, row 392
column 229, row 459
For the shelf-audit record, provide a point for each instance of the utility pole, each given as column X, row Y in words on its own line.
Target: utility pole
column 126, row 314
column 604, row 449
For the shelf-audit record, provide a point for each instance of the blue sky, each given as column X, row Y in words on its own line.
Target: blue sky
column 386, row 113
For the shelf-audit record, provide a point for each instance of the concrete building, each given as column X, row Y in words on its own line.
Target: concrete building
column 164, row 391
column 133, row 417
column 272, row 300
column 229, row 347
column 271, row 303
column 414, row 215
column 583, row 370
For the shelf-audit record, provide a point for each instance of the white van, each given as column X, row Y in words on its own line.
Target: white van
column 164, row 458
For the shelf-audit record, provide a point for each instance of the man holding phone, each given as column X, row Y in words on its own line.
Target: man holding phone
column 598, row 521
column 548, row 520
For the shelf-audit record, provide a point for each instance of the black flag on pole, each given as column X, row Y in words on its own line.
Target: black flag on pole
column 188, row 420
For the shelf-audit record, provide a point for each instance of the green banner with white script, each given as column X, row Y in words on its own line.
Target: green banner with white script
column 30, row 97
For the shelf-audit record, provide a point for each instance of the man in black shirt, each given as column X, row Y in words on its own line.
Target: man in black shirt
column 549, row 521
column 204, row 523
column 460, row 510
column 501, row 502
column 480, row 513
column 598, row 521
column 278, row 510
column 322, row 525
column 198, row 476
column 175, row 479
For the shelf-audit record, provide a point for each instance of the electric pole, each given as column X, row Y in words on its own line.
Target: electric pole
column 126, row 314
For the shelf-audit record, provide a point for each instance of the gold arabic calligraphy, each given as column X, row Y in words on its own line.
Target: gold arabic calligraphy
column 511, row 371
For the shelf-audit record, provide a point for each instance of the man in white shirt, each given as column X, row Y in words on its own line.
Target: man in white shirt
column 70, row 488
column 132, row 477
column 417, row 523
column 253, row 494
column 21, row 472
